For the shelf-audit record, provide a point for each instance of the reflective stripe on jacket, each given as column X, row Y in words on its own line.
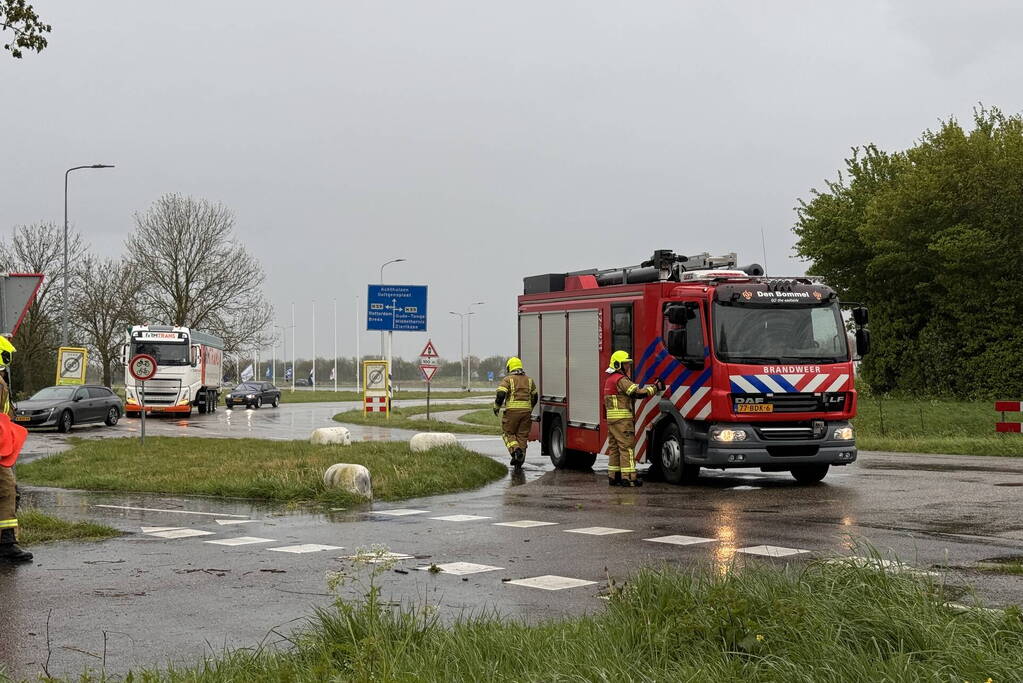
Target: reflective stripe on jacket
column 517, row 391
column 619, row 395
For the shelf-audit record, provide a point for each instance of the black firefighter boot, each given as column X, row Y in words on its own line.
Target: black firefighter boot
column 518, row 457
column 614, row 479
column 9, row 549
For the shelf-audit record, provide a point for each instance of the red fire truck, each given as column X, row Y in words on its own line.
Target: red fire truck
column 758, row 370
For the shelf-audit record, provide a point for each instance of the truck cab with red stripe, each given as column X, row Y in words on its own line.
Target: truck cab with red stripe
column 758, row 371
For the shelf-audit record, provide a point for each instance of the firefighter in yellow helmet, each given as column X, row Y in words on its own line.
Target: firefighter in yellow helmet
column 517, row 393
column 619, row 394
column 9, row 550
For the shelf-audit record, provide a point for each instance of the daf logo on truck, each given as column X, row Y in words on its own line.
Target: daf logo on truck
column 758, row 370
column 190, row 370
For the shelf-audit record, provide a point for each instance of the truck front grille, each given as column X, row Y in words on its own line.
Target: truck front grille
column 162, row 392
column 795, row 403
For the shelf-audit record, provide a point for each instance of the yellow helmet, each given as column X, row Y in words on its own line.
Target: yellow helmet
column 6, row 351
column 514, row 363
column 618, row 359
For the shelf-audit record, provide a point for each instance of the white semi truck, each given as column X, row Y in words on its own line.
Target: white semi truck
column 189, row 370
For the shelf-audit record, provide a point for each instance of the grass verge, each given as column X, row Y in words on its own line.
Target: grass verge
column 415, row 418
column 39, row 527
column 483, row 417
column 819, row 623
column 281, row 471
column 938, row 426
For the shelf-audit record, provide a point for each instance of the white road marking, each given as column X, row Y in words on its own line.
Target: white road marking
column 550, row 582
column 180, row 512
column 771, row 551
column 181, row 533
column 680, row 540
column 744, row 488
column 240, row 540
column 399, row 512
column 154, row 529
column 598, row 531
column 305, row 548
column 525, row 523
column 460, row 518
column 225, row 522
column 461, row 568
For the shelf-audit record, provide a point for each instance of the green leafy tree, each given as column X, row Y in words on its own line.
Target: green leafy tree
column 929, row 238
column 19, row 18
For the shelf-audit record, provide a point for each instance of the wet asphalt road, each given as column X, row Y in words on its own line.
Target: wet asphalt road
column 145, row 600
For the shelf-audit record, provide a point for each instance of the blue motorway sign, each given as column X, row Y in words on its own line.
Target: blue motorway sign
column 401, row 308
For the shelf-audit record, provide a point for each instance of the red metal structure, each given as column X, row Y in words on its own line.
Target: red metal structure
column 758, row 371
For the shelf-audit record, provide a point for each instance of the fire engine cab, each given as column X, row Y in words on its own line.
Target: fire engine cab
column 758, row 370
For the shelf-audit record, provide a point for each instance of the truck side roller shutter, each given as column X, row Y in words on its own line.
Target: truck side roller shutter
column 584, row 367
column 529, row 349
column 552, row 359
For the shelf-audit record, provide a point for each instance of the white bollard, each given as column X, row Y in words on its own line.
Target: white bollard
column 427, row 440
column 351, row 478
column 332, row 435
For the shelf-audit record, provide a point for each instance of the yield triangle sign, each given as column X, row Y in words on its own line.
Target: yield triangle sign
column 428, row 371
column 429, row 351
column 17, row 292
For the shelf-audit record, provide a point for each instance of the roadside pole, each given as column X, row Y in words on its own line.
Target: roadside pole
column 142, row 413
column 142, row 367
column 429, row 361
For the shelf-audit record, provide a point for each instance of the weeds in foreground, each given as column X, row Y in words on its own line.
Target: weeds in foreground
column 824, row 622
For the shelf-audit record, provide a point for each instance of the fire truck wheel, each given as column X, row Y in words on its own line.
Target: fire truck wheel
column 810, row 474
column 566, row 458
column 670, row 463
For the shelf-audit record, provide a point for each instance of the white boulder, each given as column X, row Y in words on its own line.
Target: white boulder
column 332, row 435
column 351, row 478
column 427, row 440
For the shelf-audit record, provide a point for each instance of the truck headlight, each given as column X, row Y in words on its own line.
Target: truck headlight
column 727, row 435
column 843, row 434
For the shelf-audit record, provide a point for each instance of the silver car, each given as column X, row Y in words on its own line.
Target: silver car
column 63, row 407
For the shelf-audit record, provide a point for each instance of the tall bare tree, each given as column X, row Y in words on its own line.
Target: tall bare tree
column 38, row 248
column 195, row 271
column 102, row 307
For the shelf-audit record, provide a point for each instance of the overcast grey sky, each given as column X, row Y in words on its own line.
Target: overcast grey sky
column 482, row 141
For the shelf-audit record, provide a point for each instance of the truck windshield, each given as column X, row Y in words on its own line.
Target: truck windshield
column 779, row 334
column 165, row 353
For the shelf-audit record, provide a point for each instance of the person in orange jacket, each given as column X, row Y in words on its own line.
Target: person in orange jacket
column 12, row 437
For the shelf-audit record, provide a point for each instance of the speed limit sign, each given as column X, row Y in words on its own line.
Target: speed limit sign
column 142, row 367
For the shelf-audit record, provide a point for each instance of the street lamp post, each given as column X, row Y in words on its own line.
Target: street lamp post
column 461, row 347
column 390, row 334
column 64, row 317
column 468, row 345
column 284, row 339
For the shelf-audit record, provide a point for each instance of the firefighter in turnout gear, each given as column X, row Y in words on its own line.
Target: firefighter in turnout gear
column 619, row 394
column 517, row 393
column 12, row 437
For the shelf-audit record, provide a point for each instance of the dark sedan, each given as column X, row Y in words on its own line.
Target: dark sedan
column 63, row 407
column 254, row 394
